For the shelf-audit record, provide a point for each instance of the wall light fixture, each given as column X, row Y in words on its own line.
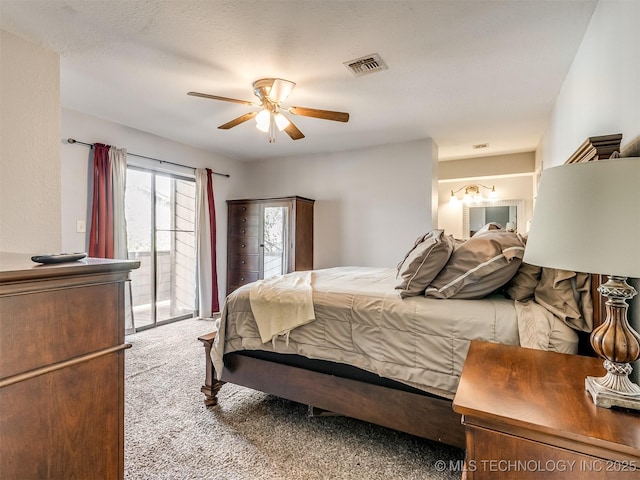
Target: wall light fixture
column 472, row 193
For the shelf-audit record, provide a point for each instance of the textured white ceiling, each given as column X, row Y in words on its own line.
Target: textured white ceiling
column 461, row 72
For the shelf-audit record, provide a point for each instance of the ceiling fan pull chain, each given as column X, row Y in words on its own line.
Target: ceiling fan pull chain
column 272, row 128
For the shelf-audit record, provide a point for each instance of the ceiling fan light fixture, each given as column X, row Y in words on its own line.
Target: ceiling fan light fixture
column 282, row 122
column 272, row 92
column 280, row 90
column 262, row 120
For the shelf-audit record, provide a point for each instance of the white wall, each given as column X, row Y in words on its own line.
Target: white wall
column 29, row 147
column 76, row 162
column 489, row 166
column 371, row 204
column 601, row 95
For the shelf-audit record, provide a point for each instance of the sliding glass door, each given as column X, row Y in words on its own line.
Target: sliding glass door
column 160, row 212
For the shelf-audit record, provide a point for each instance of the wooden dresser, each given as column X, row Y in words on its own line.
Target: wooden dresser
column 246, row 237
column 62, row 368
column 527, row 416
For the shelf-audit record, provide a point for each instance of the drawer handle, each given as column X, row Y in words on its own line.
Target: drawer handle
column 243, row 245
column 244, row 209
column 244, row 220
column 21, row 377
column 244, row 231
column 242, row 279
column 242, row 262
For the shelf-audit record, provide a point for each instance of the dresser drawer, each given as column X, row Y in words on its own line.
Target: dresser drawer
column 66, row 424
column 243, row 221
column 242, row 230
column 240, row 209
column 244, row 262
column 46, row 327
column 239, row 278
column 244, row 247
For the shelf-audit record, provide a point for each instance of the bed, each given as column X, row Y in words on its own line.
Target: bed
column 380, row 352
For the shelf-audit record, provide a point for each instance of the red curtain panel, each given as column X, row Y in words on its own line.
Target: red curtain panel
column 101, row 233
column 215, row 304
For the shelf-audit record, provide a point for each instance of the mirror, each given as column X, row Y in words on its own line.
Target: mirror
column 274, row 240
column 476, row 215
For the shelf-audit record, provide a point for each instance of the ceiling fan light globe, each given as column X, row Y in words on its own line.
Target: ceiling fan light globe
column 282, row 122
column 262, row 121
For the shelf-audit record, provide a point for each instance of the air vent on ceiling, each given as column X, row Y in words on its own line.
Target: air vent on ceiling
column 365, row 65
column 480, row 145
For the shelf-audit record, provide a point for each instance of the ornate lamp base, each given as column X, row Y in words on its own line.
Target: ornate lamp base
column 619, row 345
column 614, row 389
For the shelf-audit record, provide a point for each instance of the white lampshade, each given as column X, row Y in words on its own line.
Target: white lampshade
column 587, row 218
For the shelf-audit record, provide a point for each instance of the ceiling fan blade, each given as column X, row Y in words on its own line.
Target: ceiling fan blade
column 238, row 121
column 224, row 99
column 293, row 131
column 316, row 113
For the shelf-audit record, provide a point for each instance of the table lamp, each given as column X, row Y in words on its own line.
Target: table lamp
column 587, row 219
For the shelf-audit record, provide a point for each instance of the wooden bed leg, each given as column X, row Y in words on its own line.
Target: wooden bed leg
column 211, row 385
column 319, row 412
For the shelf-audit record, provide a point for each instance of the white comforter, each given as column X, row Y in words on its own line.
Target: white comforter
column 362, row 321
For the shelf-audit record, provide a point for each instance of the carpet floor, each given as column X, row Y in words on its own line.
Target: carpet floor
column 170, row 434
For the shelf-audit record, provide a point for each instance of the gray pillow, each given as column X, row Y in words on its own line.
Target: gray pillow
column 479, row 266
column 423, row 262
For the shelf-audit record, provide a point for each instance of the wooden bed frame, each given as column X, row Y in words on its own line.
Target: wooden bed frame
column 424, row 415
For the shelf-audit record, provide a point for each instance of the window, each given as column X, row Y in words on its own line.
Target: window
column 160, row 213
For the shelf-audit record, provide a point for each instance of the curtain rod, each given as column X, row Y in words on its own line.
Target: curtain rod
column 90, row 145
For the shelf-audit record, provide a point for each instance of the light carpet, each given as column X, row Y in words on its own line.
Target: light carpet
column 170, row 434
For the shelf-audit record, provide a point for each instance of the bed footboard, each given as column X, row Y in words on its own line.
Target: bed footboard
column 211, row 386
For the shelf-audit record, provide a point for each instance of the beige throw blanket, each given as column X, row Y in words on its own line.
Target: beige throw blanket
column 282, row 303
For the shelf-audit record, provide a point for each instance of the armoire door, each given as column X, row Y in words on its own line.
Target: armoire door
column 274, row 239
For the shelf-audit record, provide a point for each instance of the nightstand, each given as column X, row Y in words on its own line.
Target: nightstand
column 527, row 416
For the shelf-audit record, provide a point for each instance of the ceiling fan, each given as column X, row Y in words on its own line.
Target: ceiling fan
column 272, row 92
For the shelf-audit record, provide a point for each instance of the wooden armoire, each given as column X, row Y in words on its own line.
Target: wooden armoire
column 268, row 236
